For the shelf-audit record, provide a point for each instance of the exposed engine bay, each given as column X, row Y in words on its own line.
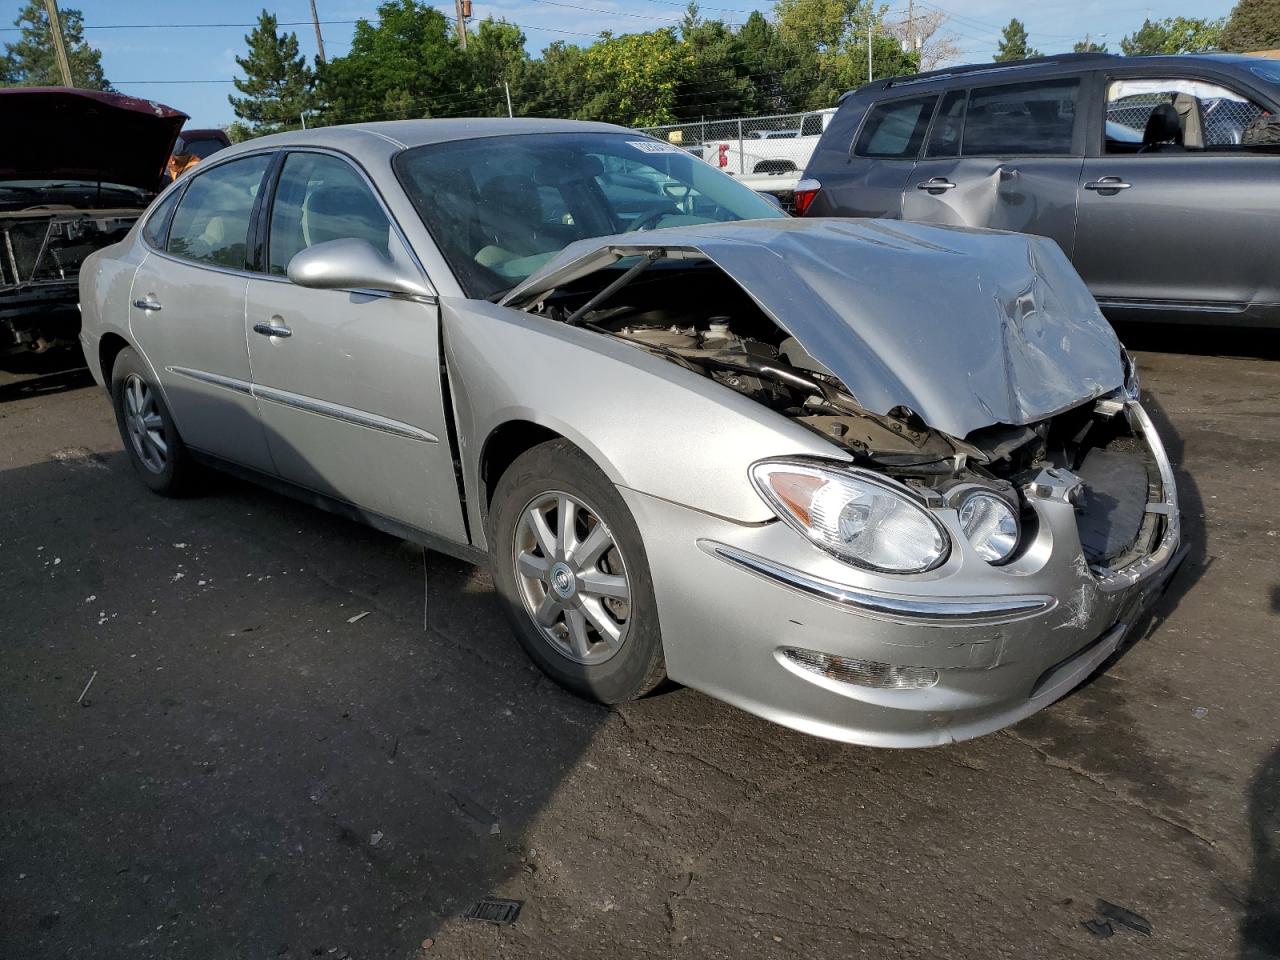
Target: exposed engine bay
column 693, row 314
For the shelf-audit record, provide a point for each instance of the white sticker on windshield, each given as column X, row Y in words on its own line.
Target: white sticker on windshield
column 653, row 146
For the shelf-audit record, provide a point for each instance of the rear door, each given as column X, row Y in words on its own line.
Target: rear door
column 1179, row 201
column 871, row 180
column 1006, row 156
column 349, row 382
column 187, row 312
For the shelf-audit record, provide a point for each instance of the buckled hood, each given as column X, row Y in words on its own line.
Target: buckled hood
column 57, row 133
column 968, row 328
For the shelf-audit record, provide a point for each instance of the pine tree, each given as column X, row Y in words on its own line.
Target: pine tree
column 1013, row 43
column 31, row 61
column 1088, row 46
column 278, row 83
column 1253, row 25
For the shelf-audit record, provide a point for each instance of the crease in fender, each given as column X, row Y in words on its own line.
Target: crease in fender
column 755, row 524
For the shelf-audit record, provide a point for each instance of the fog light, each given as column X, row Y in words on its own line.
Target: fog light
column 865, row 673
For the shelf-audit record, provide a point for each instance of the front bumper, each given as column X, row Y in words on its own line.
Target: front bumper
column 1004, row 641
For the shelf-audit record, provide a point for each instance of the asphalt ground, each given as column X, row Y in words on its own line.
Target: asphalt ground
column 307, row 739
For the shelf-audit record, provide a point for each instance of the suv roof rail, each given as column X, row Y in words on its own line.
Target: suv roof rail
column 978, row 68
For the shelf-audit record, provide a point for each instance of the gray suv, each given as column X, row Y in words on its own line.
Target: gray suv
column 1158, row 176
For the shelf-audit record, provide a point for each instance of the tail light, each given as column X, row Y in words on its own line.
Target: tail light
column 722, row 155
column 806, row 190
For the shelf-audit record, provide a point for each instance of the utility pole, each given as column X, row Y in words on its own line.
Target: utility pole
column 463, row 10
column 911, row 26
column 315, row 20
column 869, row 77
column 507, row 87
column 59, row 44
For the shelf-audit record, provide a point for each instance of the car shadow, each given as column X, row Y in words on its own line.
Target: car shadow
column 1217, row 341
column 1260, row 926
column 33, row 374
column 294, row 735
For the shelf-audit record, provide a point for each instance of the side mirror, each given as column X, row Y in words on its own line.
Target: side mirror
column 352, row 264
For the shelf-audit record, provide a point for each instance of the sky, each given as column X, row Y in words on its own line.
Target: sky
column 191, row 68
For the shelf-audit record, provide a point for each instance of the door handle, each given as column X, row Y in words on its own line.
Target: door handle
column 272, row 329
column 936, row 185
column 147, row 303
column 1107, row 183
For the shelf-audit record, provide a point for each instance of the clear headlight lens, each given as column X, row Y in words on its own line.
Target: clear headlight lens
column 990, row 525
column 857, row 517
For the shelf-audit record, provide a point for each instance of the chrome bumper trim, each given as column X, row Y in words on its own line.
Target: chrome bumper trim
column 941, row 610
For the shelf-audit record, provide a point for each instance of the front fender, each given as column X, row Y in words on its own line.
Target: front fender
column 649, row 424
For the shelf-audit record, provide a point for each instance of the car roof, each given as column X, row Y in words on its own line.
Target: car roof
column 1050, row 65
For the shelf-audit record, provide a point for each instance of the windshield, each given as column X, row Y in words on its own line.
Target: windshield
column 501, row 207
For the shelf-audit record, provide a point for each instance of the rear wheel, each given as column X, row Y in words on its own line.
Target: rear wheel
column 572, row 575
column 150, row 438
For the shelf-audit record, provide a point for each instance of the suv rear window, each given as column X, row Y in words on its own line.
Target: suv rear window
column 896, row 129
column 1021, row 119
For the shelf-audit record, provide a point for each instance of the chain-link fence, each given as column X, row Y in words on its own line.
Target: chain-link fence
column 779, row 144
column 1223, row 120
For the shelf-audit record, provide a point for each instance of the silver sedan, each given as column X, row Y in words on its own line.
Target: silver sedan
column 878, row 481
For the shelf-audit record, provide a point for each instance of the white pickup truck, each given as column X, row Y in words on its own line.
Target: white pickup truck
column 770, row 161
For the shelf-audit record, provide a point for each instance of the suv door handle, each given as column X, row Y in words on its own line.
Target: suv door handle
column 936, row 185
column 272, row 329
column 1107, row 183
column 147, row 303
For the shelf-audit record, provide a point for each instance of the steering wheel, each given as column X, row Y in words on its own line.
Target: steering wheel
column 648, row 221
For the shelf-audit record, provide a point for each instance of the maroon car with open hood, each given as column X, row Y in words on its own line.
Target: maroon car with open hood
column 77, row 169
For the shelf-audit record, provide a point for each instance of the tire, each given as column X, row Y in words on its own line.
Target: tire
column 156, row 450
column 579, row 590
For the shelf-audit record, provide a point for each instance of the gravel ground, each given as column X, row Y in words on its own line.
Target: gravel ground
column 260, row 769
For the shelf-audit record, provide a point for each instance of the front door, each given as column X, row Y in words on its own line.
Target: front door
column 187, row 311
column 1180, row 208
column 349, row 382
column 1006, row 157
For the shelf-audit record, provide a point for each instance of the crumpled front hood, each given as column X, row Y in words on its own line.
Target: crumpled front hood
column 966, row 327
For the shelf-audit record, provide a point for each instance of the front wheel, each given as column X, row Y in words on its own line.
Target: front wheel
column 571, row 572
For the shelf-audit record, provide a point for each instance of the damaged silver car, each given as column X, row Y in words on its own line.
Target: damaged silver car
column 882, row 482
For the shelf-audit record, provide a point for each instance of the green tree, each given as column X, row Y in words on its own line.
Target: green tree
column 715, row 79
column 633, row 77
column 1253, row 25
column 1088, row 46
column 1013, row 43
column 1174, row 35
column 554, row 84
column 764, row 55
column 496, row 60
column 408, row 65
column 278, row 85
column 30, row 61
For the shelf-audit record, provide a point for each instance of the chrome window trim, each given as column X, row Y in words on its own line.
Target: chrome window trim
column 312, row 405
column 941, row 610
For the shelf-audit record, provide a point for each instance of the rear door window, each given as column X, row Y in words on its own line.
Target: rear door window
column 211, row 223
column 1022, row 119
column 895, row 130
column 153, row 230
column 944, row 136
column 321, row 198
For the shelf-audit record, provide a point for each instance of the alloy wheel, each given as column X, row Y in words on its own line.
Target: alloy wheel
column 572, row 577
column 145, row 425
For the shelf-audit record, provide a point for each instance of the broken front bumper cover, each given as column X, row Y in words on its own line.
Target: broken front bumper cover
column 1003, row 642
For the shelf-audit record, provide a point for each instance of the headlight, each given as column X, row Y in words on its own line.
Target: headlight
column 857, row 517
column 990, row 525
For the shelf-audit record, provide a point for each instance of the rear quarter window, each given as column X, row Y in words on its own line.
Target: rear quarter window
column 895, row 130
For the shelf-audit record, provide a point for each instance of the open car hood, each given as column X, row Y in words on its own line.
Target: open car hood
column 57, row 133
column 968, row 328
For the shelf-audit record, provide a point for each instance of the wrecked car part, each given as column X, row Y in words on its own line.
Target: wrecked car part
column 864, row 673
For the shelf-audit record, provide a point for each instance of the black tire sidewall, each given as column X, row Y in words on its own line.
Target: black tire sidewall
column 173, row 479
column 638, row 666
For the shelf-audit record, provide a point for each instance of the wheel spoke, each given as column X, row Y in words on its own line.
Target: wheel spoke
column 138, row 396
column 152, row 421
column 566, row 534
column 599, row 584
column 609, row 631
column 541, row 532
column 157, row 441
column 531, row 566
column 547, row 611
column 578, row 638
column 593, row 548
